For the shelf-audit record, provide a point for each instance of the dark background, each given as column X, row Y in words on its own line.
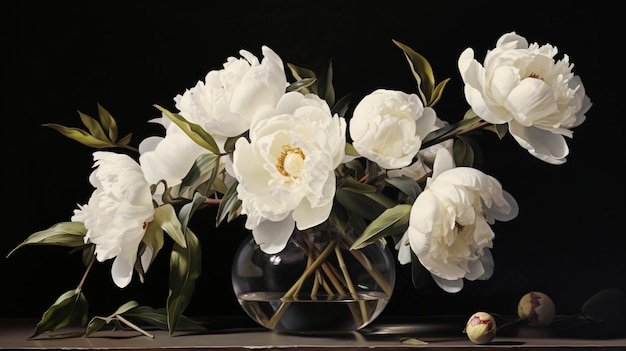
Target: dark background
column 568, row 240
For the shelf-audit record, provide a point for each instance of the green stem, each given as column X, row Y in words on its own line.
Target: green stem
column 297, row 285
column 350, row 284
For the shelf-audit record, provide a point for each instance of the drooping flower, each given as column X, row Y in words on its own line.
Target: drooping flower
column 117, row 213
column 286, row 171
column 388, row 127
column 226, row 101
column 449, row 225
column 169, row 158
column 523, row 85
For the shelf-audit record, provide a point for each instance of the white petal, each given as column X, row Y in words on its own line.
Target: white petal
column 450, row 286
column 544, row 145
column 272, row 237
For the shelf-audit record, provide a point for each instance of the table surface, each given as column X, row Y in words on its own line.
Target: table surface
column 237, row 334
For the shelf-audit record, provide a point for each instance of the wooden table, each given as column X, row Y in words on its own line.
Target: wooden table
column 236, row 334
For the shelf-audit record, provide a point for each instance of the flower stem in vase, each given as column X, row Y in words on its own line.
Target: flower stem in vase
column 298, row 284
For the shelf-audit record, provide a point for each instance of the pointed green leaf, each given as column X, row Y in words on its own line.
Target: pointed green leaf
column 93, row 127
column 463, row 153
column 391, row 222
column 69, row 309
column 353, row 185
column 412, row 341
column 422, row 71
column 325, row 88
column 70, row 234
column 302, row 84
column 80, row 136
column 301, row 73
column 108, row 123
column 406, row 185
column 158, row 318
column 230, row 202
column 98, row 322
column 341, row 106
column 500, row 129
column 351, row 151
column 366, row 205
column 185, row 268
column 153, row 237
column 449, row 131
column 229, row 145
column 194, row 131
column 204, row 169
column 165, row 217
column 438, row 92
column 185, row 213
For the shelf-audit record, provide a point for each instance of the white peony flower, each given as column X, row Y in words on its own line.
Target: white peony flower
column 522, row 85
column 425, row 157
column 169, row 158
column 449, row 226
column 286, row 170
column 387, row 127
column 117, row 213
column 226, row 101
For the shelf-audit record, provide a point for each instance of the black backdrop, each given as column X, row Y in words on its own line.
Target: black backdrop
column 568, row 240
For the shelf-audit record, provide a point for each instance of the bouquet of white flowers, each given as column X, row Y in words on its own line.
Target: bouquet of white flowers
column 286, row 154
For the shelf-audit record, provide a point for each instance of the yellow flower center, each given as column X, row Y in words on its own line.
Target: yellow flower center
column 535, row 75
column 290, row 161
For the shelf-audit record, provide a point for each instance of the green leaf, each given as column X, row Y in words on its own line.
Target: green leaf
column 325, row 88
column 70, row 234
column 422, row 71
column 97, row 322
column 153, row 237
column 229, row 144
column 93, row 127
column 500, row 129
column 391, row 222
column 406, row 185
column 302, row 84
column 366, row 205
column 230, row 203
column 352, row 185
column 81, row 136
column 194, row 131
column 438, row 92
column 606, row 305
column 69, row 309
column 187, row 211
column 165, row 217
column 448, row 131
column 301, row 73
column 185, row 268
column 108, row 122
column 204, row 169
column 351, row 151
column 158, row 318
column 412, row 341
column 463, row 153
column 341, row 107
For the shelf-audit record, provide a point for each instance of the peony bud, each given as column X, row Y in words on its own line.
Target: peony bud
column 536, row 308
column 481, row 328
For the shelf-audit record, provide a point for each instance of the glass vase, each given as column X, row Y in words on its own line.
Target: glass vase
column 316, row 284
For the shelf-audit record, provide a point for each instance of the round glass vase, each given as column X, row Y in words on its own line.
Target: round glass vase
column 316, row 284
